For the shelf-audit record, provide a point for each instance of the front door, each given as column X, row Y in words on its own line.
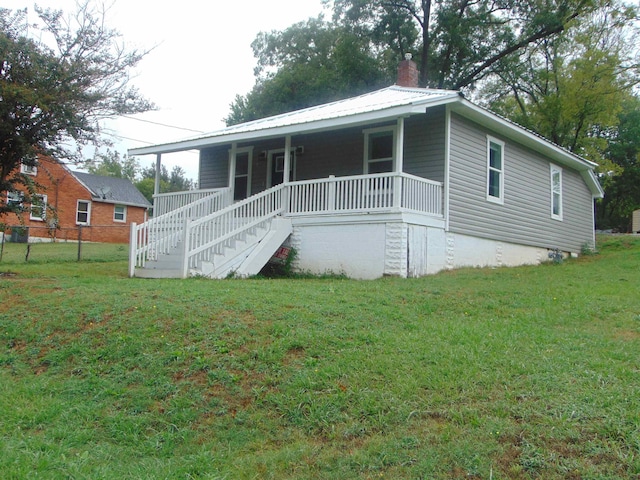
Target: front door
column 276, row 161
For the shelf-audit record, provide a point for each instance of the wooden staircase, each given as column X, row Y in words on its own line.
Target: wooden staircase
column 237, row 240
column 243, row 258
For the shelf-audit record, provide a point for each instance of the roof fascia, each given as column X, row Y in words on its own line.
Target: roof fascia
column 115, row 202
column 293, row 129
column 522, row 135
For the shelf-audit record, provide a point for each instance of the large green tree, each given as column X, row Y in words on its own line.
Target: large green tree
column 572, row 87
column 459, row 41
column 622, row 181
column 307, row 64
column 58, row 80
column 174, row 181
column 458, row 44
column 111, row 164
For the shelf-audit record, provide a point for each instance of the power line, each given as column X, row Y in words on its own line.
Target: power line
column 162, row 124
column 115, row 134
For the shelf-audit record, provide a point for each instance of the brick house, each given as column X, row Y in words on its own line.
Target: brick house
column 73, row 204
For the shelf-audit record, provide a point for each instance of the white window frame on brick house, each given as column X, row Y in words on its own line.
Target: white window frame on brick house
column 495, row 170
column 555, row 177
column 120, row 213
column 38, row 210
column 15, row 197
column 28, row 169
column 86, row 212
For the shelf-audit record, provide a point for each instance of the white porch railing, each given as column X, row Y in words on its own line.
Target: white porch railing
column 366, row 193
column 162, row 233
column 206, row 226
column 208, row 236
column 168, row 202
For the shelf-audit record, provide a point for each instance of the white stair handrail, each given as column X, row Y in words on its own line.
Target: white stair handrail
column 162, row 233
column 204, row 237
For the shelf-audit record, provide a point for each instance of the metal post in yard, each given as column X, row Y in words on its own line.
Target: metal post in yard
column 133, row 245
column 4, row 234
column 79, row 242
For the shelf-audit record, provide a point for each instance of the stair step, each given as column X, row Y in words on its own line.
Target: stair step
column 157, row 273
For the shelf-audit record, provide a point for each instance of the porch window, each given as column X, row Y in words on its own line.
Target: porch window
column 556, row 192
column 119, row 213
column 38, row 207
column 495, row 170
column 83, row 212
column 379, row 145
column 241, row 188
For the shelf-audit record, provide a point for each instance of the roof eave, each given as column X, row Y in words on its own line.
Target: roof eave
column 382, row 115
column 529, row 139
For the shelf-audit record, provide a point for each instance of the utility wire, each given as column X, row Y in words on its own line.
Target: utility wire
column 162, row 124
column 114, row 134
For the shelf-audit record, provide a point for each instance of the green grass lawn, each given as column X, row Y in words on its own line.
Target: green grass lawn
column 510, row 373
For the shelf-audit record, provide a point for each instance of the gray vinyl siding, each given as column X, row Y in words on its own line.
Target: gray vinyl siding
column 525, row 216
column 338, row 152
column 214, row 167
column 424, row 147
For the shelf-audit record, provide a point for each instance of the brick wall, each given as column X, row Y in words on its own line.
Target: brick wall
column 63, row 192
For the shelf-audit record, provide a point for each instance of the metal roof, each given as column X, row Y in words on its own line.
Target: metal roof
column 112, row 190
column 381, row 104
column 386, row 104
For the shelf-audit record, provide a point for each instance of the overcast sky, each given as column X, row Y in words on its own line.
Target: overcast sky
column 201, row 59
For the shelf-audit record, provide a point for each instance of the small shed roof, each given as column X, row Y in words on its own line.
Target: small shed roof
column 112, row 190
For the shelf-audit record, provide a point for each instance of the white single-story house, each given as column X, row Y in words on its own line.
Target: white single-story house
column 402, row 181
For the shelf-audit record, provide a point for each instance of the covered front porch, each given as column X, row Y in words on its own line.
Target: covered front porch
column 207, row 233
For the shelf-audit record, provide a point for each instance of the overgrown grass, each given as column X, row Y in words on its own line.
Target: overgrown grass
column 516, row 373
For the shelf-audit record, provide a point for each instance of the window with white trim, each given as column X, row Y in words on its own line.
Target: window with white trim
column 28, row 169
column 242, row 185
column 83, row 212
column 15, row 200
column 379, row 148
column 556, row 192
column 495, row 170
column 119, row 213
column 38, row 207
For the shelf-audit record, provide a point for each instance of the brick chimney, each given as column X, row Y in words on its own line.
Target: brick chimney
column 407, row 72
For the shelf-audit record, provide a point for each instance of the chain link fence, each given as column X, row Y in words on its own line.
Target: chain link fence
column 22, row 244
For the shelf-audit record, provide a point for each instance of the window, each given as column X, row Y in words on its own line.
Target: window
column 83, row 212
column 119, row 213
column 556, row 192
column 241, row 188
column 28, row 169
column 495, row 170
column 15, row 200
column 379, row 146
column 38, row 207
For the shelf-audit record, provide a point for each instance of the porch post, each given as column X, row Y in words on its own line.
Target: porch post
column 232, row 168
column 285, row 175
column 287, row 159
column 399, row 157
column 156, row 184
column 133, row 245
